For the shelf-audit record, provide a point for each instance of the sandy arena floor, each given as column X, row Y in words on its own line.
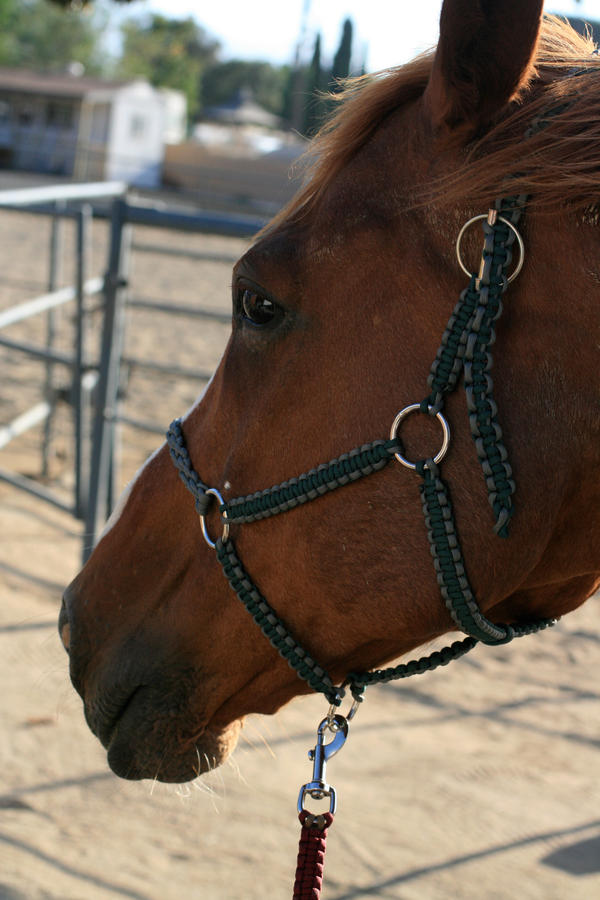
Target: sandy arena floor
column 476, row 781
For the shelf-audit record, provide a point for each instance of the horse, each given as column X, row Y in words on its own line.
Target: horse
column 339, row 306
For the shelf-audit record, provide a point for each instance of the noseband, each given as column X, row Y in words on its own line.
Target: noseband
column 464, row 350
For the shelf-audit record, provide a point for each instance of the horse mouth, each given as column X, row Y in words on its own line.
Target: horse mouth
column 147, row 736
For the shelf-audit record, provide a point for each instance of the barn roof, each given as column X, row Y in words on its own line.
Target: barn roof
column 55, row 84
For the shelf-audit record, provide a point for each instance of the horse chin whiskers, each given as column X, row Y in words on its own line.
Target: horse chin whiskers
column 183, row 791
column 264, row 740
column 233, row 764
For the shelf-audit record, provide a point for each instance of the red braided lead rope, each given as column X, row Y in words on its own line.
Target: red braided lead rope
column 311, row 855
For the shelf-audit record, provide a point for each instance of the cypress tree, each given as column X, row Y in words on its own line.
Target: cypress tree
column 341, row 61
column 315, row 85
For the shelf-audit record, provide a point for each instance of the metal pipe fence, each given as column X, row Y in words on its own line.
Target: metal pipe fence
column 56, row 199
column 95, row 384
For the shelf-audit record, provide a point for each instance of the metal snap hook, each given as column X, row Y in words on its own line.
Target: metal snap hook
column 212, row 544
column 414, row 407
column 497, row 218
column 318, row 788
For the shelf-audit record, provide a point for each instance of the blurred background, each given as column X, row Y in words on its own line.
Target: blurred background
column 220, row 83
column 142, row 144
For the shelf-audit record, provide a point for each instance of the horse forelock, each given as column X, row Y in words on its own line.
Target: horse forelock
column 557, row 166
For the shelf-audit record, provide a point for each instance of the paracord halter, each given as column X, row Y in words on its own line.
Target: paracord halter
column 464, row 349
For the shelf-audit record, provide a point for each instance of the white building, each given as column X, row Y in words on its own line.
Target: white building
column 86, row 128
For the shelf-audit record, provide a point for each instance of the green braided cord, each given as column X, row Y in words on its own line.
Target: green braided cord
column 317, row 678
column 281, row 638
column 465, row 347
column 271, row 625
column 447, row 366
column 183, row 464
column 327, row 477
column 512, row 208
column 448, row 560
column 359, row 680
column 531, row 627
column 450, row 569
column 485, row 428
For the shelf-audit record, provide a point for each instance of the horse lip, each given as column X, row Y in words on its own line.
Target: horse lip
column 106, row 715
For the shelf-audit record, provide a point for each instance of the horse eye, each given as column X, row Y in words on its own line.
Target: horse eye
column 257, row 309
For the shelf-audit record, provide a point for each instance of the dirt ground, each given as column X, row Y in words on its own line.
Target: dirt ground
column 476, row 781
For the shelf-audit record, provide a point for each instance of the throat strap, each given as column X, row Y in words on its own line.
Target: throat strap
column 281, row 638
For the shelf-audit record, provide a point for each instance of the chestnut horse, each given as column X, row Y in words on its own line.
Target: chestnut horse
column 338, row 310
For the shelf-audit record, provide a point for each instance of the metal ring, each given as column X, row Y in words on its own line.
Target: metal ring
column 414, row 407
column 212, row 544
column 514, row 231
column 331, row 714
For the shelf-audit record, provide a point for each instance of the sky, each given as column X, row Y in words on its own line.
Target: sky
column 387, row 32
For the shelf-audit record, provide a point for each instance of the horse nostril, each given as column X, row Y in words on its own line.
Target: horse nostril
column 64, row 628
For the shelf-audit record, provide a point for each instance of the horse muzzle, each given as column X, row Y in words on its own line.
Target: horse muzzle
column 138, row 704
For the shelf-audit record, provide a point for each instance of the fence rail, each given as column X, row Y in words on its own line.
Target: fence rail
column 178, row 309
column 62, row 193
column 34, row 416
column 47, row 301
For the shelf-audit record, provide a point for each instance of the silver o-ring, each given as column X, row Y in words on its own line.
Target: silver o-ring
column 212, row 544
column 519, row 265
column 414, row 407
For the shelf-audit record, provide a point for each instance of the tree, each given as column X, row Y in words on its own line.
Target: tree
column 316, row 83
column 77, row 4
column 222, row 80
column 35, row 34
column 171, row 53
column 8, row 10
column 293, row 76
column 341, row 61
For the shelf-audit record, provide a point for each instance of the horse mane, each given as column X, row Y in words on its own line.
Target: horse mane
column 560, row 164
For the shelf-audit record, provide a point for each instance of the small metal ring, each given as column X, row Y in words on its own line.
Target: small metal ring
column 414, row 407
column 212, row 544
column 332, row 713
column 519, row 266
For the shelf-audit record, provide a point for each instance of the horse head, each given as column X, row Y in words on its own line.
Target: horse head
column 338, row 311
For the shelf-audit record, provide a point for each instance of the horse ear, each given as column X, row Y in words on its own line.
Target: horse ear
column 484, row 55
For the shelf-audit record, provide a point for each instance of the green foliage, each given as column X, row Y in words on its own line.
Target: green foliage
column 8, row 10
column 78, row 4
column 222, row 80
column 38, row 35
column 170, row 53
